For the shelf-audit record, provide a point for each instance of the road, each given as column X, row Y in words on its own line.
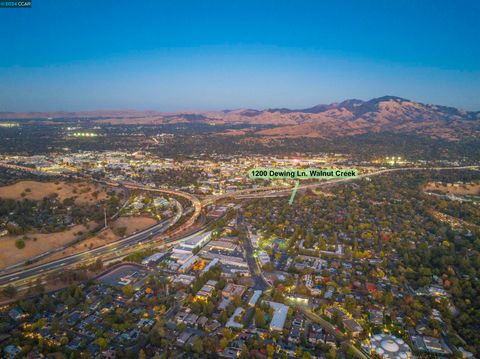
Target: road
column 27, row 274
column 331, row 329
column 30, row 273
column 277, row 191
column 197, row 205
column 130, row 242
column 255, row 270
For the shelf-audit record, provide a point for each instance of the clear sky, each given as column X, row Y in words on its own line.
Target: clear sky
column 204, row 54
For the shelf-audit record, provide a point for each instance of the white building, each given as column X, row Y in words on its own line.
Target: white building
column 254, row 298
column 212, row 264
column 184, row 279
column 232, row 323
column 263, row 258
column 185, row 267
column 197, row 241
column 279, row 315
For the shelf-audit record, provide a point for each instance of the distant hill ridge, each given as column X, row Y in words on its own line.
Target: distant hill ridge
column 350, row 117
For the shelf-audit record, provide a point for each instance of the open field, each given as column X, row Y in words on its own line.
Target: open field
column 134, row 224
column 460, row 189
column 10, row 254
column 84, row 193
column 104, row 237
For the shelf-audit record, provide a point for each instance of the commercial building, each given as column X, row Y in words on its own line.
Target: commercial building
column 154, row 258
column 197, row 241
column 221, row 245
column 185, row 267
column 263, row 258
column 212, row 264
column 280, row 312
column 227, row 260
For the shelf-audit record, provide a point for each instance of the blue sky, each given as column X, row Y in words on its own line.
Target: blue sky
column 201, row 55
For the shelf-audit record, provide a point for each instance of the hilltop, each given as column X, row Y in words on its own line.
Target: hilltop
column 348, row 118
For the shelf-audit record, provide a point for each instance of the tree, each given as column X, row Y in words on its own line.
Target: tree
column 260, row 318
column 101, row 342
column 120, row 231
column 127, row 290
column 20, row 243
column 197, row 346
column 350, row 304
column 223, row 343
column 270, row 350
column 332, row 353
column 39, row 288
column 9, row 291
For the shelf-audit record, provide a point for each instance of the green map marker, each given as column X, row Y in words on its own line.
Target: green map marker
column 298, row 174
column 294, row 192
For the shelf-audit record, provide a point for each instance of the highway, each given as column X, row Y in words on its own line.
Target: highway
column 197, row 205
column 86, row 255
column 128, row 244
column 146, row 235
column 276, row 191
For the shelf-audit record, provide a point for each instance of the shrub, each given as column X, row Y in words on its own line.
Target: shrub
column 20, row 243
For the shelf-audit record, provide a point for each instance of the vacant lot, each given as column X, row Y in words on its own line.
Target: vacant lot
column 460, row 189
column 134, row 224
column 104, row 237
column 84, row 193
column 10, row 254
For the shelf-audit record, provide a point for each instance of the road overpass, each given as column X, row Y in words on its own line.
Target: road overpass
column 277, row 191
column 148, row 234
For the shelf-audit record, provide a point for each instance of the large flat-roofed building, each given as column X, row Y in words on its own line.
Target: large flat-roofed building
column 221, row 245
column 198, row 240
column 227, row 260
column 181, row 250
column 280, row 312
column 185, row 267
column 154, row 258
column 263, row 258
column 182, row 258
column 210, row 265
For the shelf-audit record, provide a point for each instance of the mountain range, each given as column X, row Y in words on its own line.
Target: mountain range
column 348, row 118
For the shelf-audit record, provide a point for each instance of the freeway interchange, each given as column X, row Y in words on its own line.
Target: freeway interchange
column 165, row 234
column 159, row 234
